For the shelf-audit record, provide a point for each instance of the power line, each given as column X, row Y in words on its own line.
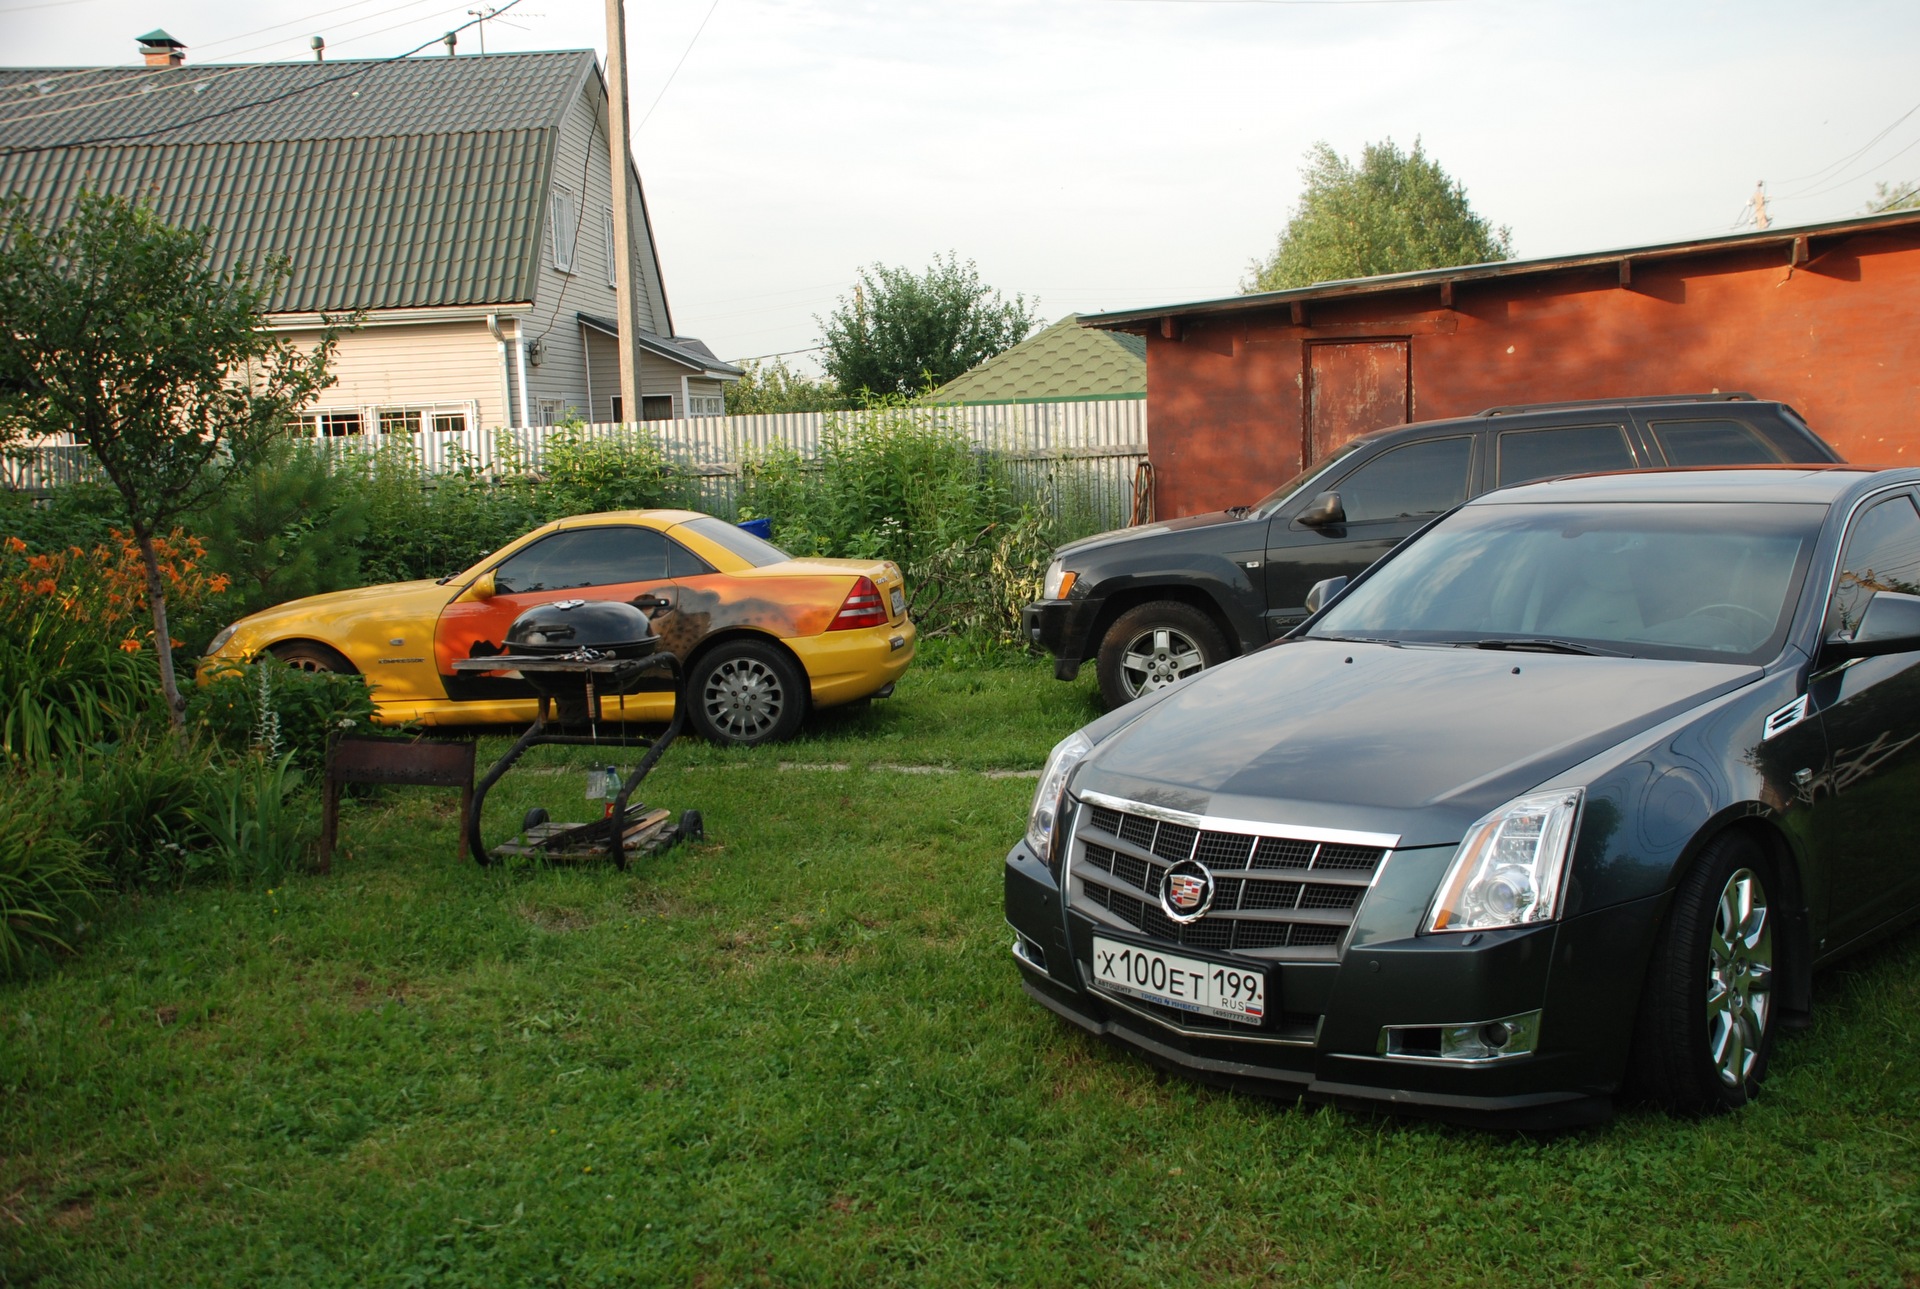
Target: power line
column 132, row 136
column 1818, row 175
column 676, row 67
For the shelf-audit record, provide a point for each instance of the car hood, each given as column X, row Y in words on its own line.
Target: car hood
column 358, row 597
column 1207, row 520
column 1415, row 741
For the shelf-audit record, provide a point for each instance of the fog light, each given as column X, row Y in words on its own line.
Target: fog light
column 1492, row 1040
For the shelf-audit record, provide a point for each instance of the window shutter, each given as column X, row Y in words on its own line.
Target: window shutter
column 566, row 226
column 613, row 269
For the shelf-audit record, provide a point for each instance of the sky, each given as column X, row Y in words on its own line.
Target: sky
column 1114, row 154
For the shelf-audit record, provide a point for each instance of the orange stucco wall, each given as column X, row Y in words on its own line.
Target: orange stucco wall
column 1838, row 337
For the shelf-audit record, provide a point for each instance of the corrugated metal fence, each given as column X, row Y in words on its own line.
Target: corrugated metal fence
column 1105, row 441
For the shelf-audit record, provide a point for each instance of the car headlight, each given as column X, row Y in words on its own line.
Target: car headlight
column 220, row 641
column 1058, row 582
column 1510, row 868
column 1043, row 820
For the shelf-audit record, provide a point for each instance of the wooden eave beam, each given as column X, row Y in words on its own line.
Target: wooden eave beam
column 1170, row 328
column 1626, row 272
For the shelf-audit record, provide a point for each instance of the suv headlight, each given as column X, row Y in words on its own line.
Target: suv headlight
column 1058, row 582
column 1043, row 821
column 1512, row 866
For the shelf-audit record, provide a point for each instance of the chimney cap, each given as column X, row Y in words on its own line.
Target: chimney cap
column 159, row 39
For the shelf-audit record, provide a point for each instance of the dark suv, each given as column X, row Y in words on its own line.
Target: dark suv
column 1159, row 602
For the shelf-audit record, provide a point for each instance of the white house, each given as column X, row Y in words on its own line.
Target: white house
column 461, row 205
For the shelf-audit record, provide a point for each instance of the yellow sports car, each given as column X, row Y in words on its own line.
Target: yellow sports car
column 762, row 636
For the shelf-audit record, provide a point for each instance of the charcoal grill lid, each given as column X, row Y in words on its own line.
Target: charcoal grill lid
column 561, row 626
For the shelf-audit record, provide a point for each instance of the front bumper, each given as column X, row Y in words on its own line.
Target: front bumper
column 1064, row 628
column 1323, row 1037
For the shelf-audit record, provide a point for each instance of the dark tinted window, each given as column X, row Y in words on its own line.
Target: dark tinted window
column 1712, row 443
column 1579, row 449
column 1418, row 479
column 738, row 540
column 587, row 557
column 1883, row 554
column 1657, row 580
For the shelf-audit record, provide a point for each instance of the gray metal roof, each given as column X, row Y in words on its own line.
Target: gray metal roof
column 1784, row 236
column 685, row 350
column 389, row 184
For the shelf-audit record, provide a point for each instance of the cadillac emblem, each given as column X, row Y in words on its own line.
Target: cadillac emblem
column 1186, row 891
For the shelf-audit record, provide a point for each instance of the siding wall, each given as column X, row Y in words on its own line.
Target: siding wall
column 416, row 365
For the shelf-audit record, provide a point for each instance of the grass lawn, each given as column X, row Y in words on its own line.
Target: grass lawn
column 799, row 1054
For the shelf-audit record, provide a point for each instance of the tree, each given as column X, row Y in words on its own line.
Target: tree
column 776, row 387
column 1395, row 212
column 116, row 327
column 903, row 332
column 286, row 528
column 1900, row 196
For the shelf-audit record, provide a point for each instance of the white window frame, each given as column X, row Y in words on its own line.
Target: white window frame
column 563, row 220
column 613, row 263
column 706, row 405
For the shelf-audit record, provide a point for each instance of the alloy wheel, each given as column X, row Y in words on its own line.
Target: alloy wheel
column 743, row 698
column 1739, row 977
column 1156, row 658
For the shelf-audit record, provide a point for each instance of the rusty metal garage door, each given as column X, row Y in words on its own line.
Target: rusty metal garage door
column 1354, row 387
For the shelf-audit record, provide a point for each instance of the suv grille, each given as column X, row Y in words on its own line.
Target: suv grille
column 1274, row 897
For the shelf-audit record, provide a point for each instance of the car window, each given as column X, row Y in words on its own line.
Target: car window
column 586, row 557
column 1418, row 479
column 1660, row 580
column 1276, row 501
column 754, row 550
column 1712, row 443
column 1575, row 449
column 1883, row 554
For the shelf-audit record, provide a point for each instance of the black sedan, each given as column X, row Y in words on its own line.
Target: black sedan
column 1571, row 793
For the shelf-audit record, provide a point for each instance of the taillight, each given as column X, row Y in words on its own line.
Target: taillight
column 864, row 607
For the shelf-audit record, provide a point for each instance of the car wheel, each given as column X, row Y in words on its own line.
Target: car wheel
column 1706, row 1021
column 305, row 656
column 1152, row 645
column 745, row 693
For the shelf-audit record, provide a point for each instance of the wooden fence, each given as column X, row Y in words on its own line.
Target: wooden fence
column 1078, row 457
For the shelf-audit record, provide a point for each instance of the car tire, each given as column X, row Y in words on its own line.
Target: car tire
column 304, row 655
column 1152, row 645
column 745, row 693
column 1707, row 1016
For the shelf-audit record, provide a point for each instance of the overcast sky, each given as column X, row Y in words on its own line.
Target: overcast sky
column 1110, row 154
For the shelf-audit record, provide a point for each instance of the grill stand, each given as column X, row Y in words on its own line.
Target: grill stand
column 623, row 676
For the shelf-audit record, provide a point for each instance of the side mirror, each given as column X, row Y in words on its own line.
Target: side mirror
column 1324, row 512
column 481, row 590
column 1889, row 624
column 1323, row 591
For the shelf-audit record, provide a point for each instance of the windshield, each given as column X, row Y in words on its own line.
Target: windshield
column 1272, row 502
column 1695, row 580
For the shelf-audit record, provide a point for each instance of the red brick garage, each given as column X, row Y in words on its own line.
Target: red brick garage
column 1244, row 392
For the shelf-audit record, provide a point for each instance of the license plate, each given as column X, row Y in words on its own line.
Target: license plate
column 1190, row 984
column 899, row 601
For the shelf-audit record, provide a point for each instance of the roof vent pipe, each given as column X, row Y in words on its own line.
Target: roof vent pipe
column 450, row 40
column 319, row 44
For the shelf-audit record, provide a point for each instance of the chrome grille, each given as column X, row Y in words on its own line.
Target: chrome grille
column 1274, row 897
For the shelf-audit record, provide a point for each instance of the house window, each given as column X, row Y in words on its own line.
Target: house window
column 706, row 405
column 566, row 226
column 616, row 408
column 613, row 268
column 449, row 422
column 394, row 420
column 553, row 411
column 329, row 424
column 656, row 407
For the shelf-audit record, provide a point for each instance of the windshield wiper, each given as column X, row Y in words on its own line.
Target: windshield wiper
column 1379, row 640
column 1540, row 644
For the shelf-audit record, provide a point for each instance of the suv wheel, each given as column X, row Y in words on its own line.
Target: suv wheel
column 1152, row 645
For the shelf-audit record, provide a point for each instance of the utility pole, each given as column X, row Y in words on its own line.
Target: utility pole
column 626, row 283
column 1760, row 219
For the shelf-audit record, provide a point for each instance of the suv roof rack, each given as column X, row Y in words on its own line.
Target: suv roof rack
column 1736, row 396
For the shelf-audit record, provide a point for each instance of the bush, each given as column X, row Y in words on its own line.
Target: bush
column 276, row 710
column 137, row 808
column 627, row 471
column 258, row 826
column 287, row 528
